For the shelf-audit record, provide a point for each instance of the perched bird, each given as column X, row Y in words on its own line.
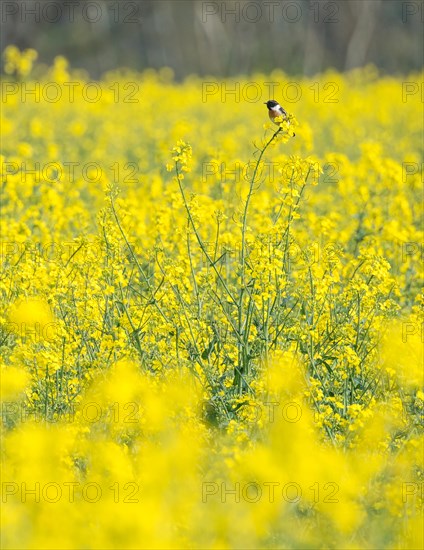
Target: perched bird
column 275, row 111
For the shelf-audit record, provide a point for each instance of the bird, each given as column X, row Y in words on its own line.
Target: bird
column 275, row 111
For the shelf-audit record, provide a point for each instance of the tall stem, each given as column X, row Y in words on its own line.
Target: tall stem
column 242, row 368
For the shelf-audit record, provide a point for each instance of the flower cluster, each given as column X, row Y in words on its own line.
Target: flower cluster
column 223, row 354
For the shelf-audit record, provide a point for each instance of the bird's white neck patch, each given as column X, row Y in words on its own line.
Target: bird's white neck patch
column 276, row 108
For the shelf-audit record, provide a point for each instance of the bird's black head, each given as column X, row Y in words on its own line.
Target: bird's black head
column 271, row 103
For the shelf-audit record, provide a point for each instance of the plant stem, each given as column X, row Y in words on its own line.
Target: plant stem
column 243, row 357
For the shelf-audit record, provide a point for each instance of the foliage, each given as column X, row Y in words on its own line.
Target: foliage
column 183, row 321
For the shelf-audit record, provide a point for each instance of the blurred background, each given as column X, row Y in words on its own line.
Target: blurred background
column 220, row 38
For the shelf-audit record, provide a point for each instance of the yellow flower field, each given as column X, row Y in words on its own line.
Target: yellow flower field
column 211, row 329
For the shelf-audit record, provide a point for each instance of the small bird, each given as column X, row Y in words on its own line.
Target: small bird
column 275, row 111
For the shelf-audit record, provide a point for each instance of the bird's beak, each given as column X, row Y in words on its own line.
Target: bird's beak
column 265, row 102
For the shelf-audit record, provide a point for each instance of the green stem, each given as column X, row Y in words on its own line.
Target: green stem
column 243, row 358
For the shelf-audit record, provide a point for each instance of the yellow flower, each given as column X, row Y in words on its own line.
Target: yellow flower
column 14, row 380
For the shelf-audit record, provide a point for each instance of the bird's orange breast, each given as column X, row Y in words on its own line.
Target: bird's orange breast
column 272, row 113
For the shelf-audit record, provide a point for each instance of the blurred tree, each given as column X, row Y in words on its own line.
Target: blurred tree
column 220, row 38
